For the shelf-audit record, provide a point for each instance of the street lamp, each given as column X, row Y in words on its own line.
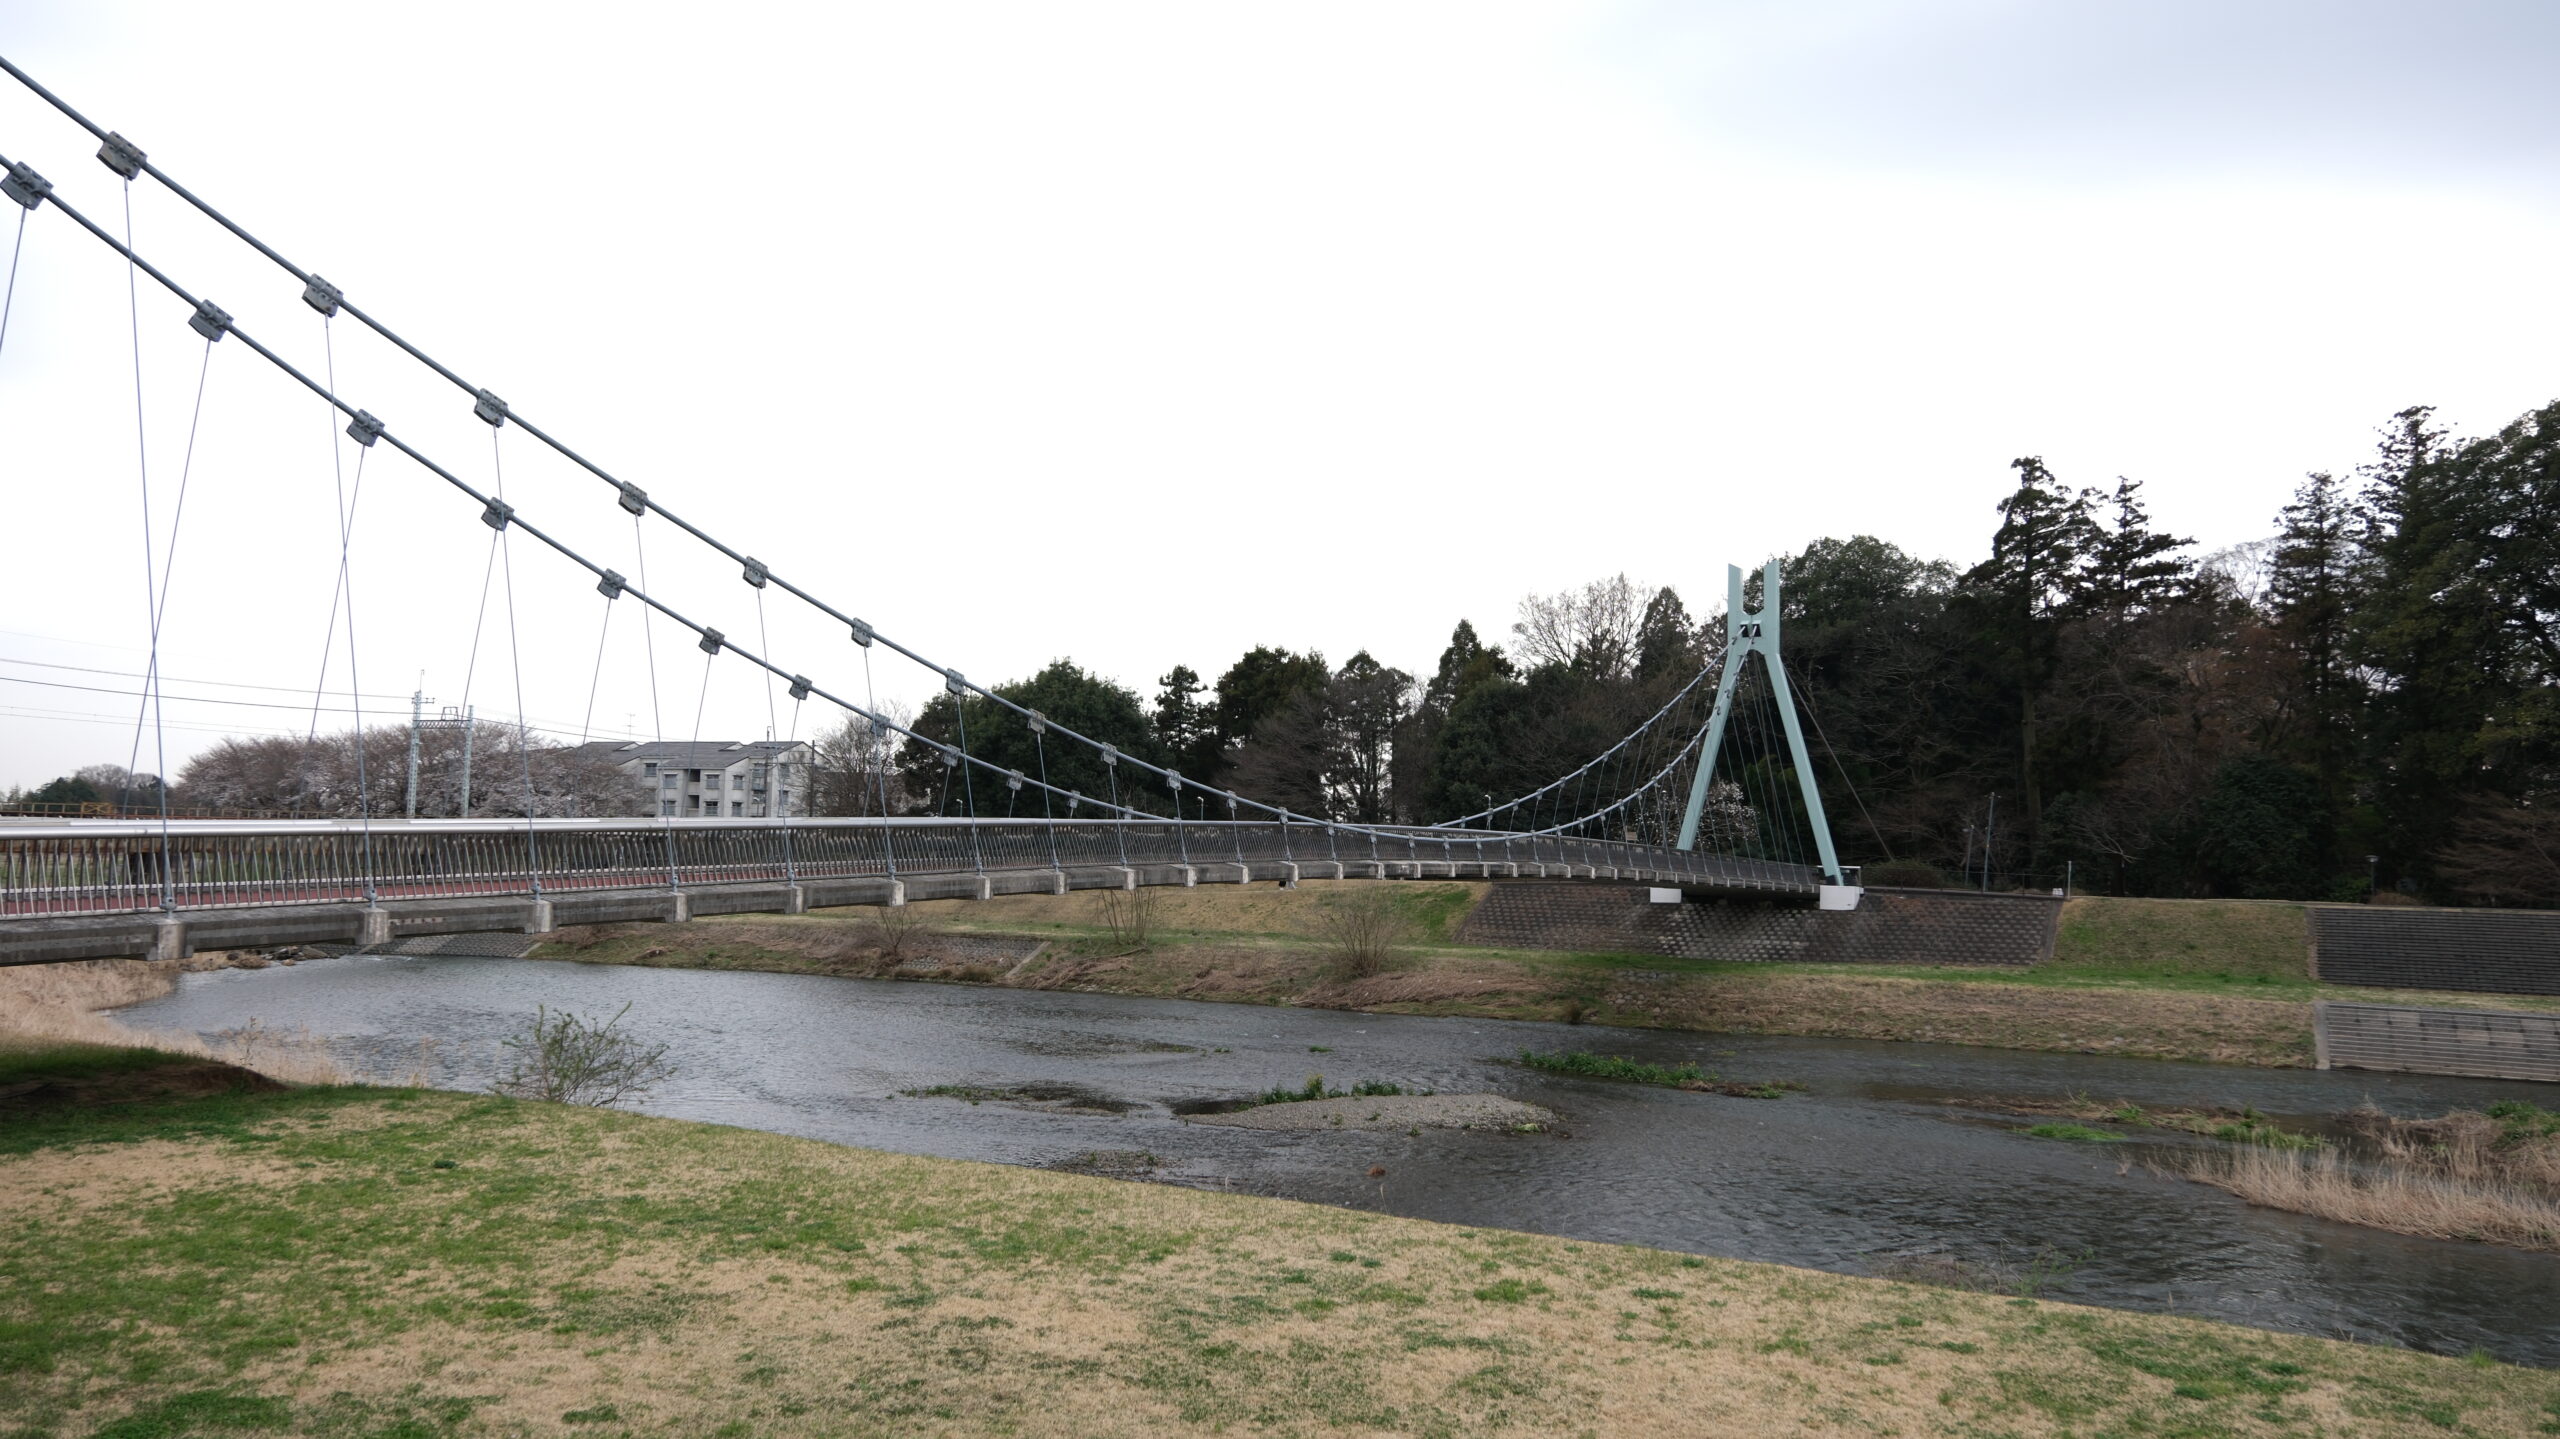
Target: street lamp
column 2372, row 876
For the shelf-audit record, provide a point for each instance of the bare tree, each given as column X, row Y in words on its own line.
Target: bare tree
column 510, row 776
column 855, row 771
column 2506, row 852
column 1594, row 629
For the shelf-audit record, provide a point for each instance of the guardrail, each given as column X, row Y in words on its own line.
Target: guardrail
column 102, row 867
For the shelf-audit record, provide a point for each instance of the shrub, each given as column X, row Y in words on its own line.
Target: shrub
column 567, row 1059
column 1905, row 874
column 891, row 930
column 1129, row 917
column 1361, row 930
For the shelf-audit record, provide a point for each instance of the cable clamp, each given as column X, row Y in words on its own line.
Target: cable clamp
column 497, row 515
column 955, row 682
column 24, row 185
column 1013, row 779
column 1110, row 756
column 320, row 295
column 121, row 155
column 1173, row 781
column 611, row 585
column 950, row 757
column 800, row 687
column 711, row 641
column 364, row 429
column 1039, row 722
column 490, row 408
column 755, row 573
column 209, row 320
column 1074, row 798
column 1231, row 801
column 635, row 500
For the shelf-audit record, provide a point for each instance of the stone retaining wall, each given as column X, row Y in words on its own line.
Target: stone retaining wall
column 2487, row 951
column 1889, row 926
column 2482, row 1043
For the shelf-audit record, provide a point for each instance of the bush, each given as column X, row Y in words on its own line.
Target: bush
column 1361, row 930
column 1905, row 874
column 892, row 929
column 569, row 1060
column 1129, row 917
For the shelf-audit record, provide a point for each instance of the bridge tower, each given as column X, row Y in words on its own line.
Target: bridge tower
column 1756, row 633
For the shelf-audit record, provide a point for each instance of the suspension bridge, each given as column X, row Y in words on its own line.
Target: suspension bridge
column 1711, row 794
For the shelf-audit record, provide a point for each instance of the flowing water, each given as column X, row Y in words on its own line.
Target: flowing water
column 1868, row 1165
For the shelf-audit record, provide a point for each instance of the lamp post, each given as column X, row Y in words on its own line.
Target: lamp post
column 2372, row 877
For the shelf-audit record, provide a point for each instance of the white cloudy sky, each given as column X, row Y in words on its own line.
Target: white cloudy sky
column 1141, row 334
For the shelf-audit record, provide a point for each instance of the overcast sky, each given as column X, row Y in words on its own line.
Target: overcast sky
column 1144, row 334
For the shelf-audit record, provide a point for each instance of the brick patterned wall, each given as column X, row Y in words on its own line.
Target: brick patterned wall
column 1890, row 926
column 2489, row 951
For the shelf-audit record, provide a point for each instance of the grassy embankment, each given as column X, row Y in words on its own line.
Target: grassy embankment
column 379, row 1263
column 2225, row 981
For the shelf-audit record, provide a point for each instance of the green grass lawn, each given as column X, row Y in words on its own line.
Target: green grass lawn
column 386, row 1264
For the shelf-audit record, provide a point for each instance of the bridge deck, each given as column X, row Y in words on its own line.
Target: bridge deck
column 88, row 890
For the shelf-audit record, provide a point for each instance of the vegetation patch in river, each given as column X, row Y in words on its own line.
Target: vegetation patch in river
column 1065, row 1098
column 1583, row 1064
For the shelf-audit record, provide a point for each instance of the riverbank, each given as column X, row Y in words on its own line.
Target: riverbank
column 2223, row 982
column 351, row 1261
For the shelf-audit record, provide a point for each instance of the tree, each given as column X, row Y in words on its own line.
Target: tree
column 2033, row 574
column 2256, row 839
column 1370, row 704
column 1592, row 629
column 1669, row 645
column 1186, row 725
column 2129, row 568
column 350, row 772
column 1259, row 686
column 1062, row 693
column 2310, row 597
column 854, row 770
column 69, row 789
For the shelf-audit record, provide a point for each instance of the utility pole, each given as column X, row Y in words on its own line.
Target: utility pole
column 417, row 709
column 1990, row 827
column 468, row 727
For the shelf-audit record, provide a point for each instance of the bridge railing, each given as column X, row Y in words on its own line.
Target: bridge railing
column 111, row 866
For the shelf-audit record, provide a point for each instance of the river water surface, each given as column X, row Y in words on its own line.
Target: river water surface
column 1868, row 1165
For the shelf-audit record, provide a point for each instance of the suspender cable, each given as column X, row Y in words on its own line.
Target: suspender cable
column 515, row 663
column 346, row 592
column 368, row 430
column 9, row 299
column 131, row 161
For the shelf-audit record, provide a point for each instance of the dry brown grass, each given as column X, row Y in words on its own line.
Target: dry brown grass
column 2405, row 1200
column 47, row 1003
column 2464, row 1145
column 788, row 1288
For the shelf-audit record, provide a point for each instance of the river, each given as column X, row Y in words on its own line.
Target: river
column 1868, row 1164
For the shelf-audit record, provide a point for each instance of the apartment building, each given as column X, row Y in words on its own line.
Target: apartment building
column 713, row 779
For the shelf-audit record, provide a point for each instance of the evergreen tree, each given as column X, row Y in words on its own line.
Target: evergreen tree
column 2310, row 595
column 2130, row 568
column 2034, row 573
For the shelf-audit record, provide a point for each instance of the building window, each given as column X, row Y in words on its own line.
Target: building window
column 671, row 781
column 667, row 807
column 649, row 769
column 738, row 808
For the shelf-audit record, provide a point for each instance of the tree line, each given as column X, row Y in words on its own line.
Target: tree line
column 2366, row 699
